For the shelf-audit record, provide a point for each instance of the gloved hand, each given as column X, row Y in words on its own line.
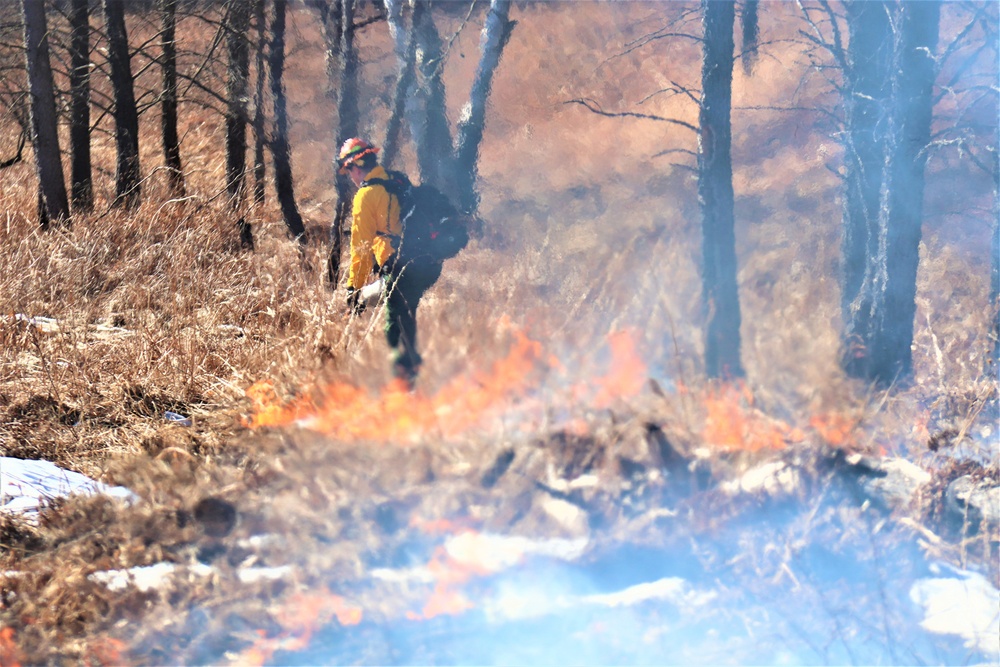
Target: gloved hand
column 354, row 301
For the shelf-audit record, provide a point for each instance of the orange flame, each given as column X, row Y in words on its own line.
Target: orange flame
column 10, row 654
column 106, row 651
column 348, row 412
column 627, row 373
column 301, row 617
column 449, row 575
column 732, row 422
column 835, row 429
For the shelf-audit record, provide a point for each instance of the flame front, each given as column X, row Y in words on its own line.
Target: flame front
column 351, row 413
column 10, row 655
column 300, row 617
column 732, row 422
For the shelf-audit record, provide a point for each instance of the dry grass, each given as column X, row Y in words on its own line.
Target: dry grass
column 160, row 310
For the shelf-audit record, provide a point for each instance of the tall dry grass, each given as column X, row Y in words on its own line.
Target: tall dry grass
column 585, row 234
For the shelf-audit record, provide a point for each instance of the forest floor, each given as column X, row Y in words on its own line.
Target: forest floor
column 563, row 486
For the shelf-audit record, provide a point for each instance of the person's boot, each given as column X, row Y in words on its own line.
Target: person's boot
column 405, row 374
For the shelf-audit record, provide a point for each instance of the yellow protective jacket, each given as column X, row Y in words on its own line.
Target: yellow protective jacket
column 375, row 216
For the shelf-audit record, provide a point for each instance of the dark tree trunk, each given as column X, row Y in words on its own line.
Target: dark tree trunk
column 995, row 270
column 891, row 335
column 53, row 204
column 238, row 74
column 81, row 180
column 283, row 182
column 495, row 35
column 259, row 130
column 127, row 177
column 168, row 119
column 715, row 194
column 347, row 108
column 406, row 56
column 429, row 123
column 890, row 106
column 867, row 91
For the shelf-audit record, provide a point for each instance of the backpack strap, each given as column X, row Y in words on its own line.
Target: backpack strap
column 388, row 185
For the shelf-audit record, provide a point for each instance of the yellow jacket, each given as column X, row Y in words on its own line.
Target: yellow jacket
column 375, row 215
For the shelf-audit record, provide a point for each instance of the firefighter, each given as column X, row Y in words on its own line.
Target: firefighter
column 375, row 234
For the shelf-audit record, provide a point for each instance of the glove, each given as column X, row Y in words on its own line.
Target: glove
column 354, row 301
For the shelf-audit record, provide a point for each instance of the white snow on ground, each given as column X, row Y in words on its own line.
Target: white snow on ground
column 961, row 603
column 490, row 552
column 26, row 485
column 153, row 577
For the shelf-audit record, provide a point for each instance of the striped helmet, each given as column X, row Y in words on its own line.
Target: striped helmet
column 352, row 150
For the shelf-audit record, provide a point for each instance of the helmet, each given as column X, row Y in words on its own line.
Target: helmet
column 352, row 150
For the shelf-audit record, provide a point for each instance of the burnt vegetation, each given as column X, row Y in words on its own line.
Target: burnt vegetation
column 730, row 316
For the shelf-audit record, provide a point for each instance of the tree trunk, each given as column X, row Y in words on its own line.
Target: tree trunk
column 715, row 194
column 495, row 35
column 127, row 177
column 168, row 119
column 867, row 91
column 238, row 74
column 347, row 118
column 890, row 106
column 429, row 117
column 901, row 216
column 279, row 145
column 81, row 180
column 406, row 55
column 44, row 131
column 259, row 129
column 995, row 269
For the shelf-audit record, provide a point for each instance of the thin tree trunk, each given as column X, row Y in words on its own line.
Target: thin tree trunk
column 715, row 194
column 53, row 202
column 168, row 119
column 496, row 34
column 127, row 177
column 347, row 108
column 280, row 149
column 259, row 130
column 238, row 74
column 81, row 179
column 995, row 270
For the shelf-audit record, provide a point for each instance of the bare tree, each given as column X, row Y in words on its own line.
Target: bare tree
column 127, row 176
column 53, row 203
column 280, row 148
column 720, row 292
column 496, row 34
column 888, row 89
column 81, row 188
column 237, row 26
column 259, row 129
column 715, row 193
column 168, row 118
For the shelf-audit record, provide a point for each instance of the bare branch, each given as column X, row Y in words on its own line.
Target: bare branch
column 594, row 108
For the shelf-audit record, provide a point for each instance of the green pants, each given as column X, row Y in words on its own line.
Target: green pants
column 405, row 287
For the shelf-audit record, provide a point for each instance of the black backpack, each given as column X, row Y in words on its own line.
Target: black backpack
column 433, row 230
